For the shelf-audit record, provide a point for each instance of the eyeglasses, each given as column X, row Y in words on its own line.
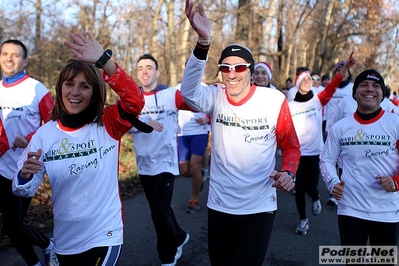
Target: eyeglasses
column 315, row 79
column 225, row 68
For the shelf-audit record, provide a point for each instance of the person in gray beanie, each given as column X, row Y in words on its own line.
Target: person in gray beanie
column 248, row 122
column 367, row 191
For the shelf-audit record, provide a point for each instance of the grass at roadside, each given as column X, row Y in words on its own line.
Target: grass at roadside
column 40, row 211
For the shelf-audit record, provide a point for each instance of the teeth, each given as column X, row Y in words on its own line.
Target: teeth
column 369, row 96
column 74, row 101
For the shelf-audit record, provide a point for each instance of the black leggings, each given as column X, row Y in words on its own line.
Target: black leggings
column 23, row 237
column 356, row 232
column 307, row 180
column 99, row 256
column 238, row 240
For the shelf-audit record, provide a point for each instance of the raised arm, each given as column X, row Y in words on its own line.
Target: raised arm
column 326, row 95
column 90, row 50
column 199, row 22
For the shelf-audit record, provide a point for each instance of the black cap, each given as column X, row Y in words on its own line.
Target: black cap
column 240, row 51
column 369, row 74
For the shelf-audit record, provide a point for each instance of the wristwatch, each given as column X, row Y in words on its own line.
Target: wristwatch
column 291, row 174
column 104, row 58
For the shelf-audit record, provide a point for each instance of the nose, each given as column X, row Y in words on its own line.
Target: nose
column 75, row 90
column 232, row 73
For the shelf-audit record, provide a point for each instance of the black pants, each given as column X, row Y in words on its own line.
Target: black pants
column 107, row 256
column 307, row 180
column 238, row 240
column 357, row 232
column 23, row 237
column 158, row 190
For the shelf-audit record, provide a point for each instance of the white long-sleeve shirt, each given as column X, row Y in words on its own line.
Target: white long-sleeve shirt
column 367, row 149
column 82, row 165
column 244, row 141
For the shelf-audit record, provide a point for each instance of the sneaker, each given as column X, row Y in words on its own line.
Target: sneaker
column 316, row 207
column 332, row 201
column 303, row 227
column 169, row 264
column 205, row 174
column 193, row 207
column 179, row 251
column 50, row 258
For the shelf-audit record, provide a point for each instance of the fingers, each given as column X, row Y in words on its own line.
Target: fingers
column 386, row 182
column 77, row 40
column 283, row 181
column 91, row 36
column 275, row 175
column 201, row 9
column 32, row 165
column 155, row 125
column 338, row 190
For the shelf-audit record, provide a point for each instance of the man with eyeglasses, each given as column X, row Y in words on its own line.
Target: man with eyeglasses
column 247, row 124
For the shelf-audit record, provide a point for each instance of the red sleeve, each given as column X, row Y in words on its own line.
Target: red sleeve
column 326, row 95
column 181, row 104
column 287, row 140
column 4, row 146
column 132, row 101
column 395, row 179
column 46, row 105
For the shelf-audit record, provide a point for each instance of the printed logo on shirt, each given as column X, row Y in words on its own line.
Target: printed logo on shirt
column 70, row 150
column 259, row 123
column 150, row 110
column 305, row 110
column 362, row 138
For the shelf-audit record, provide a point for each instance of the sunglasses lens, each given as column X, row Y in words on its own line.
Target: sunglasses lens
column 241, row 68
column 224, row 69
column 316, row 79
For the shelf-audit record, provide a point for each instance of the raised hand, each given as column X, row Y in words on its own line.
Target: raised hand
column 85, row 49
column 351, row 61
column 199, row 21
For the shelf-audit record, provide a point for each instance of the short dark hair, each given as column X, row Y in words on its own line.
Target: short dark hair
column 148, row 56
column 17, row 42
column 325, row 77
column 315, row 73
column 288, row 79
column 300, row 70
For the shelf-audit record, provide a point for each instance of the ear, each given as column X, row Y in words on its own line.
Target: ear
column 26, row 62
column 158, row 74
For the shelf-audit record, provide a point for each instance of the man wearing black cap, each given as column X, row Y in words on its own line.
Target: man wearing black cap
column 367, row 143
column 247, row 124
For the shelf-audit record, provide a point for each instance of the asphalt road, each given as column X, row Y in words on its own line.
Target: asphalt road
column 286, row 247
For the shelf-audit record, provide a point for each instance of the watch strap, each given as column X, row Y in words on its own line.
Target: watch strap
column 104, row 58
